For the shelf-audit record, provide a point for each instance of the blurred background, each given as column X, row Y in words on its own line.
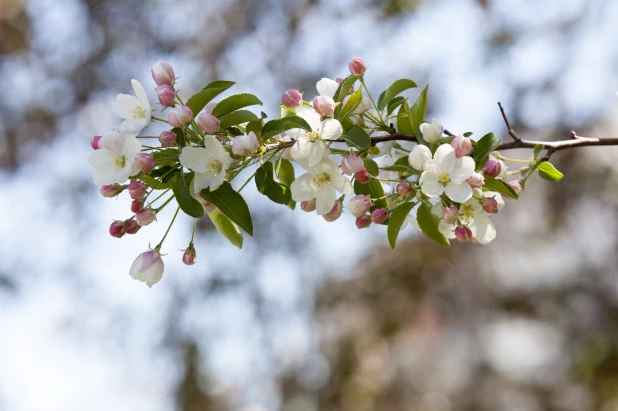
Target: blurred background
column 309, row 315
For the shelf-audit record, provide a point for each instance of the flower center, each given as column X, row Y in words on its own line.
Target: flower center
column 214, row 165
column 444, row 179
column 121, row 161
column 313, row 135
column 139, row 112
column 321, row 180
column 466, row 213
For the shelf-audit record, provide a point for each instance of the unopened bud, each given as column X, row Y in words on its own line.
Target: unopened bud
column 208, row 123
column 189, row 256
column 362, row 176
column 403, row 189
column 167, row 138
column 379, row 215
column 292, row 98
column 180, row 116
column 490, row 205
column 163, row 73
column 131, row 226
column 144, row 162
column 148, row 267
column 166, row 95
column 359, row 205
column 137, row 205
column 477, row 180
column 339, row 80
column 116, row 229
column 137, row 190
column 308, row 206
column 450, row 215
column 357, row 66
column 492, row 168
column 112, row 190
column 245, row 144
column 95, row 142
column 363, row 222
column 208, row 206
column 352, row 164
column 515, row 185
column 145, row 216
column 462, row 146
column 334, row 213
column 463, row 234
column 419, row 155
column 324, row 105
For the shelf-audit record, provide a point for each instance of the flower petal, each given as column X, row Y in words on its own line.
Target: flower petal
column 311, row 116
column 303, row 188
column 325, row 199
column 114, row 142
column 331, row 129
column 485, row 231
column 341, row 184
column 463, row 170
column 203, row 180
column 194, row 158
column 124, row 105
column 444, row 158
column 327, row 87
column 459, row 192
column 140, row 93
column 131, row 147
column 430, row 185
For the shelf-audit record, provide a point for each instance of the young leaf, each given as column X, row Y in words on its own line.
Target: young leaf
column 233, row 103
column 266, row 184
column 395, row 221
column 199, row 100
column 396, row 102
column 484, row 146
column 372, row 189
column 548, row 172
column 188, row 204
column 356, row 136
column 418, row 110
column 393, row 90
column 255, row 126
column 500, row 186
column 278, row 126
column 372, row 167
column 285, row 171
column 180, row 136
column 350, row 105
column 226, row 227
column 345, row 87
column 429, row 224
column 168, row 156
column 152, row 182
column 237, row 117
column 230, row 203
column 537, row 150
column 404, row 125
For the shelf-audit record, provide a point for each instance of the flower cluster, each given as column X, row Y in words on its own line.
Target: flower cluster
column 394, row 168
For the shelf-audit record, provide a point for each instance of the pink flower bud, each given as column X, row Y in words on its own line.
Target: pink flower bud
column 112, row 190
column 144, row 162
column 324, row 105
column 137, row 205
column 462, row 146
column 163, row 73
column 148, row 267
column 334, row 213
column 208, row 123
column 359, row 205
column 167, row 139
column 180, row 116
column 357, row 66
column 131, row 226
column 379, row 216
column 211, row 106
column 492, row 168
column 145, row 216
column 116, row 229
column 515, row 185
column 363, row 222
column 208, row 207
column 189, row 256
column 245, row 144
column 362, row 176
column 352, row 164
column 450, row 215
column 292, row 98
column 339, row 80
column 477, row 180
column 95, row 142
column 166, row 95
column 463, row 234
column 490, row 205
column 403, row 189
column 308, row 206
column 137, row 190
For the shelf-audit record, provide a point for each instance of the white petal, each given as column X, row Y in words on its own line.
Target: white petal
column 140, row 93
column 122, row 174
column 327, row 87
column 217, row 180
column 447, row 230
column 114, row 142
column 131, row 147
column 430, row 185
column 103, row 160
column 295, row 133
column 103, row 177
column 312, row 152
column 303, row 188
column 341, row 184
column 463, row 170
column 202, row 180
column 331, row 129
column 485, row 231
column 124, row 105
column 132, row 127
column 445, row 158
column 459, row 192
column 325, row 199
column 194, row 158
column 311, row 116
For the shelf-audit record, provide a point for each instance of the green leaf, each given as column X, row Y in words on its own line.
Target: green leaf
column 548, row 172
column 372, row 189
column 356, row 136
column 400, row 168
column 166, row 157
column 285, row 171
column 350, row 105
column 187, row 203
column 484, row 146
column 180, row 137
column 166, row 172
column 500, row 186
column 233, row 103
column 230, row 203
column 396, row 102
column 278, row 126
column 266, row 184
column 404, row 125
column 226, row 227
column 468, row 134
column 395, row 221
column 255, row 126
column 418, row 110
column 372, row 167
column 537, row 150
column 345, row 87
column 152, row 182
column 393, row 90
column 237, row 117
column 429, row 224
column 199, row 100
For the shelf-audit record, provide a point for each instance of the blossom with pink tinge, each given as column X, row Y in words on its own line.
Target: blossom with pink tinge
column 208, row 123
column 163, row 73
column 515, row 185
column 148, row 267
column 463, row 234
column 490, row 205
column 180, row 116
column 308, row 206
column 167, row 138
column 362, row 176
column 131, row 226
column 403, row 189
column 334, row 213
column 492, row 168
column 292, row 98
column 137, row 205
column 359, row 205
column 189, row 255
column 117, row 229
column 145, row 216
column 245, row 144
column 324, row 105
column 144, row 162
column 357, row 66
column 379, row 215
column 137, row 190
column 94, row 143
column 476, row 180
column 112, row 190
column 363, row 222
column 352, row 164
column 462, row 146
column 166, row 95
column 450, row 215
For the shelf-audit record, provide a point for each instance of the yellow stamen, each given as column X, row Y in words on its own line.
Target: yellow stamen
column 139, row 112
column 214, row 165
column 120, row 161
column 313, row 136
column 321, row 180
column 444, row 179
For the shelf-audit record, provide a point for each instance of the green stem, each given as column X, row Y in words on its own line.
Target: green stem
column 193, row 233
column 372, row 101
column 158, row 119
column 247, row 182
column 164, row 204
column 168, row 228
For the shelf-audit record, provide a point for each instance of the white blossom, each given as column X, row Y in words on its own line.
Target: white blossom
column 432, row 133
column 446, row 173
column 310, row 145
column 113, row 162
column 134, row 109
column 209, row 163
